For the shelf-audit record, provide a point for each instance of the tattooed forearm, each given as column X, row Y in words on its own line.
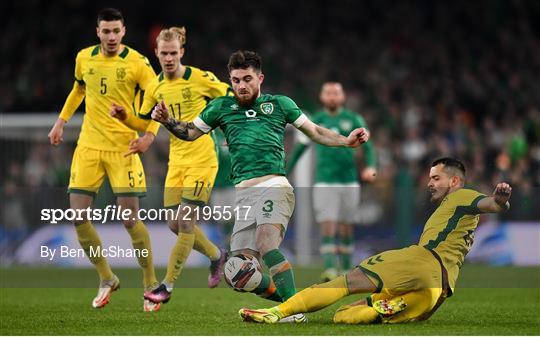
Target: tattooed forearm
column 178, row 128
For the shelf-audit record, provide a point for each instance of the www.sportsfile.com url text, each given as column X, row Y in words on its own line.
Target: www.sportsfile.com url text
column 118, row 213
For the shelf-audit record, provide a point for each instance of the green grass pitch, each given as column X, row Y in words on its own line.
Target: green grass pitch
column 488, row 301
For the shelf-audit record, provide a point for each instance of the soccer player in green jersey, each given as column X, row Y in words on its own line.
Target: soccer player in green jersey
column 336, row 193
column 408, row 284
column 254, row 127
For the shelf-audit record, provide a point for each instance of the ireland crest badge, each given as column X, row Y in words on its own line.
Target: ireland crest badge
column 267, row 108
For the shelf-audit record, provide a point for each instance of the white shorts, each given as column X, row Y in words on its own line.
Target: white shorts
column 270, row 202
column 336, row 202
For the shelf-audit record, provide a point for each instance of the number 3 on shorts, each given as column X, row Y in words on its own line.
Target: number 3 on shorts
column 268, row 206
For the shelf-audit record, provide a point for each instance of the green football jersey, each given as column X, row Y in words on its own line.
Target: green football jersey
column 338, row 164
column 254, row 134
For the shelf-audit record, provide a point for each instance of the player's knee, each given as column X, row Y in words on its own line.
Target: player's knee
column 358, row 282
column 173, row 226
column 264, row 247
column 80, row 201
column 186, row 219
column 268, row 237
column 328, row 228
column 186, row 226
column 129, row 223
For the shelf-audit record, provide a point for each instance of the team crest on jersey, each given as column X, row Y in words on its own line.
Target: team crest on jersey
column 91, row 71
column 234, row 107
column 120, row 73
column 267, row 108
column 345, row 125
column 186, row 94
column 160, row 97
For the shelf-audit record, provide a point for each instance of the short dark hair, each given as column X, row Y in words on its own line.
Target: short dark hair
column 109, row 14
column 451, row 164
column 243, row 59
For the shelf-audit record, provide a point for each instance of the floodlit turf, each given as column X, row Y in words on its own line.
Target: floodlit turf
column 488, row 301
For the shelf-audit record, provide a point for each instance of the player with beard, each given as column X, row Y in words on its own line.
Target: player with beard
column 407, row 284
column 254, row 126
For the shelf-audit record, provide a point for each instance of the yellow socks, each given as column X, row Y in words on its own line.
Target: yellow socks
column 420, row 305
column 141, row 240
column 205, row 246
column 88, row 237
column 356, row 314
column 179, row 255
column 315, row 297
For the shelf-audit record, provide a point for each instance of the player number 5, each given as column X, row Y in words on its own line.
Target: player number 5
column 131, row 179
column 103, row 90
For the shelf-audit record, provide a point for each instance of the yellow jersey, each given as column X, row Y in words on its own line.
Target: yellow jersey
column 186, row 97
column 449, row 231
column 108, row 80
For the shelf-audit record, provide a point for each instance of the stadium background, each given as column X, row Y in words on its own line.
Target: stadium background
column 430, row 78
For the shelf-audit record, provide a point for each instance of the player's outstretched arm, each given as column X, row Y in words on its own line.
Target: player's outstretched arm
column 183, row 130
column 327, row 137
column 498, row 202
column 129, row 120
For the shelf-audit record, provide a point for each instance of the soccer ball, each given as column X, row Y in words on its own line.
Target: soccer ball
column 243, row 272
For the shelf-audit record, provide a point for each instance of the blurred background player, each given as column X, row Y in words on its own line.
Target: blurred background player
column 407, row 284
column 192, row 165
column 107, row 73
column 223, row 191
column 336, row 193
column 254, row 126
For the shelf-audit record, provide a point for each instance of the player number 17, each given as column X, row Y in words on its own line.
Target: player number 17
column 178, row 112
column 103, row 90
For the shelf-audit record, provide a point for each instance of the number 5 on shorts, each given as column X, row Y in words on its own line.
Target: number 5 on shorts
column 131, row 179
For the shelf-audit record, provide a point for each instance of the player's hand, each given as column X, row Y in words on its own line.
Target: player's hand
column 369, row 174
column 502, row 194
column 141, row 144
column 160, row 113
column 57, row 132
column 118, row 112
column 358, row 137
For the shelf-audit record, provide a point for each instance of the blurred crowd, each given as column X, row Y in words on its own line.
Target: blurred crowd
column 431, row 78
